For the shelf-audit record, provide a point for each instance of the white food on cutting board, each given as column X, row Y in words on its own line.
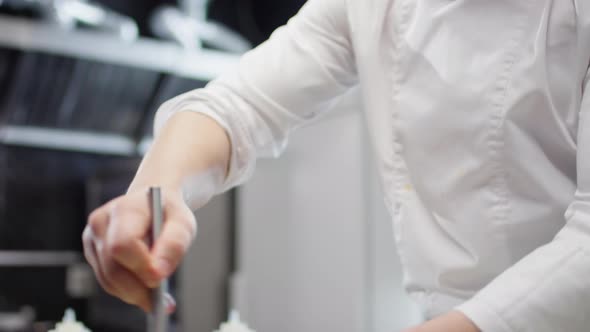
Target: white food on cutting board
column 234, row 324
column 70, row 324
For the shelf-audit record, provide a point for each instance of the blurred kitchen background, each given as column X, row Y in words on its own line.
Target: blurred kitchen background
column 305, row 246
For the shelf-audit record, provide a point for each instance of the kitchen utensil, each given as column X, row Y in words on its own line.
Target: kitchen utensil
column 158, row 321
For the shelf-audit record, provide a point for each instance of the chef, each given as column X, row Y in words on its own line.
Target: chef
column 479, row 118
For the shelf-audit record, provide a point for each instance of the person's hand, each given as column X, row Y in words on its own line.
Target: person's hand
column 453, row 321
column 115, row 244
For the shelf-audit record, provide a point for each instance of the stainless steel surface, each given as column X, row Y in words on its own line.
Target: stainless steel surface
column 38, row 258
column 158, row 321
column 144, row 53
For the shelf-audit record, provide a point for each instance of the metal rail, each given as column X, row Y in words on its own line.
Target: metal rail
column 166, row 57
column 38, row 258
column 68, row 140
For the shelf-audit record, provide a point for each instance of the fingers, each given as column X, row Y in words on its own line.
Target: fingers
column 113, row 277
column 116, row 248
column 98, row 222
column 125, row 239
column 123, row 283
column 173, row 243
column 92, row 258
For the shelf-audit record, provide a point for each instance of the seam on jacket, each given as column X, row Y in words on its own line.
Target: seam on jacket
column 397, row 57
column 396, row 148
column 499, row 183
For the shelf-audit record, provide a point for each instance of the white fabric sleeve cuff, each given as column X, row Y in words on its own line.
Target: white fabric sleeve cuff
column 486, row 319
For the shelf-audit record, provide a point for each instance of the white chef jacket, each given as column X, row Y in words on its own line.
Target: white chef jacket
column 479, row 121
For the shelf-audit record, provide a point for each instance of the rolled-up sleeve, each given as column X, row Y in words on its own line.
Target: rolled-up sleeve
column 294, row 76
column 548, row 290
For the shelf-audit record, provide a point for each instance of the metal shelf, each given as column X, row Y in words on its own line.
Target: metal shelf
column 38, row 258
column 68, row 140
column 30, row 35
column 165, row 57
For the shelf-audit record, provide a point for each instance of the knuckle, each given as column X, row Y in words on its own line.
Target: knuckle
column 94, row 216
column 94, row 227
column 95, row 221
column 176, row 247
column 118, row 247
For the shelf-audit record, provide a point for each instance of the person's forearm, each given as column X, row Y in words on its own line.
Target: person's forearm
column 452, row 321
column 191, row 153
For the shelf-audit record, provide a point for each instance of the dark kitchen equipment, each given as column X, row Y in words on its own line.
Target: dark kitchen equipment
column 74, row 106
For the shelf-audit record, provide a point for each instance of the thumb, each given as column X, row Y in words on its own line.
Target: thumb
column 172, row 244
